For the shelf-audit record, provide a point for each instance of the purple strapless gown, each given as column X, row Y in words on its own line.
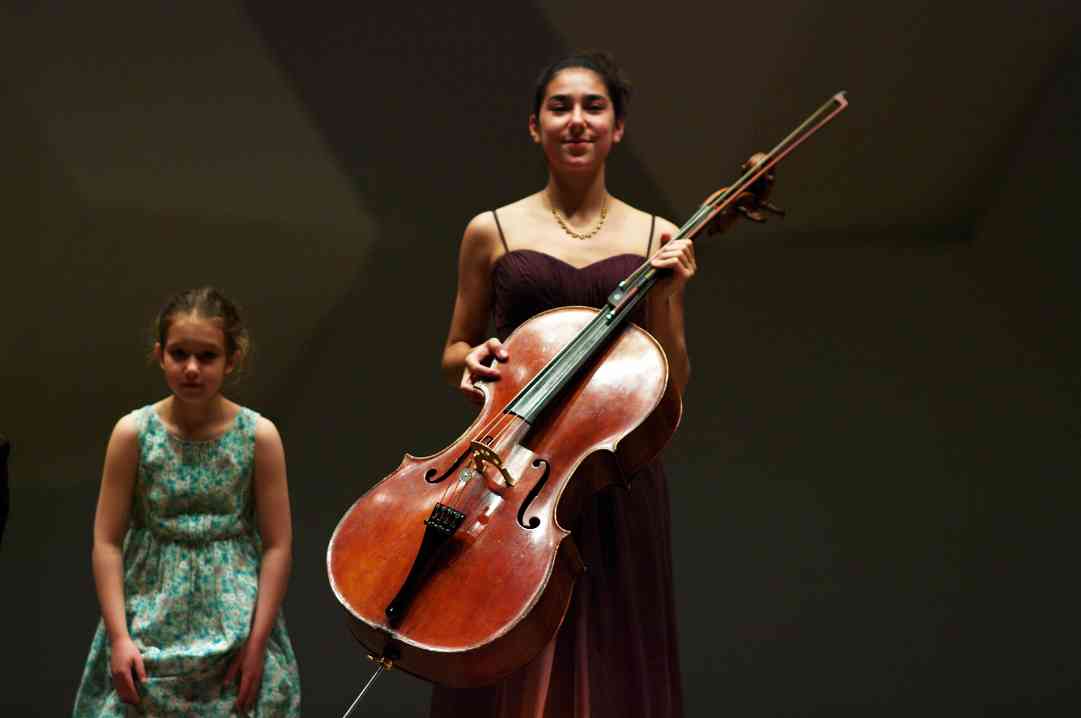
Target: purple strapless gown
column 616, row 653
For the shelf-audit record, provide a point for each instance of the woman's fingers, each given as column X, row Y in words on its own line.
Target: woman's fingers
column 471, row 392
column 495, row 348
column 478, row 358
column 479, row 366
column 479, row 370
column 677, row 256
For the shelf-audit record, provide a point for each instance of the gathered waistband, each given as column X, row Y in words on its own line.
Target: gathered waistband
column 165, row 536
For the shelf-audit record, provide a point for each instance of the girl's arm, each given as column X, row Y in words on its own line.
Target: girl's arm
column 110, row 525
column 276, row 531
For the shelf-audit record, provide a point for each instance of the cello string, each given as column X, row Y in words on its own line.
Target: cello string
column 455, row 495
column 453, row 489
column 496, row 428
column 487, row 429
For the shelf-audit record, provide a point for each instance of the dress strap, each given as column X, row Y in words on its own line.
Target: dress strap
column 142, row 420
column 251, row 417
column 652, row 225
column 500, row 228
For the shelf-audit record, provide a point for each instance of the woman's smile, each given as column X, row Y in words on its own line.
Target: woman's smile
column 576, row 122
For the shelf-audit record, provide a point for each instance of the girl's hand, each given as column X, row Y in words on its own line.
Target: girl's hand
column 476, row 367
column 125, row 664
column 677, row 256
column 248, row 662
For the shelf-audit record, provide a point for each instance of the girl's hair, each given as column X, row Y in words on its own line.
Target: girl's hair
column 600, row 62
column 207, row 303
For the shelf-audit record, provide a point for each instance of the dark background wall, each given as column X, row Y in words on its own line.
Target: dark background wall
column 874, row 483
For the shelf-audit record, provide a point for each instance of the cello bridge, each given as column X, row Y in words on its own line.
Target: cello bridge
column 483, row 454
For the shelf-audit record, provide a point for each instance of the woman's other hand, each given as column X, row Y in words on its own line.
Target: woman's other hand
column 480, row 367
column 678, row 257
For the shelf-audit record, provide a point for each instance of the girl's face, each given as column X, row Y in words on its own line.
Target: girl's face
column 576, row 126
column 194, row 359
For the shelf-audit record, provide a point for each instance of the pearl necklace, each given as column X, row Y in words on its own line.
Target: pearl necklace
column 583, row 235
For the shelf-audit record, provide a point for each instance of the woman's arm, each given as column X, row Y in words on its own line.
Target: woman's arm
column 276, row 531
column 110, row 525
column 664, row 306
column 664, row 313
column 465, row 355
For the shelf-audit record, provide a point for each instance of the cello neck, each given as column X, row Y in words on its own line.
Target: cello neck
column 558, row 372
column 555, row 375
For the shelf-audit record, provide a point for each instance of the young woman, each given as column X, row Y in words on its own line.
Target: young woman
column 192, row 540
column 570, row 244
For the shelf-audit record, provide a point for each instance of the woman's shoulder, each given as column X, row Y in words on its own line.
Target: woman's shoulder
column 520, row 207
column 490, row 222
column 482, row 232
column 640, row 215
column 480, row 244
column 485, row 237
column 648, row 226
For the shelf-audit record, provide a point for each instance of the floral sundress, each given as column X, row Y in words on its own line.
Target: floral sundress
column 191, row 574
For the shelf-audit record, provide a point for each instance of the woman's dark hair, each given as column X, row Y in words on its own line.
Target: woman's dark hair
column 600, row 62
column 207, row 303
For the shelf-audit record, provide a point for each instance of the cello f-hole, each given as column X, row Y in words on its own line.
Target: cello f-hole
column 430, row 473
column 533, row 522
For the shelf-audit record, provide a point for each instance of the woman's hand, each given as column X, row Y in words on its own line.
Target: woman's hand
column 125, row 664
column 477, row 368
column 248, row 663
column 678, row 257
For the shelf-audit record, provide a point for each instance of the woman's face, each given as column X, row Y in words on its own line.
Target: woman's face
column 576, row 125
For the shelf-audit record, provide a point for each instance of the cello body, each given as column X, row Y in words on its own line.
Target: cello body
column 491, row 596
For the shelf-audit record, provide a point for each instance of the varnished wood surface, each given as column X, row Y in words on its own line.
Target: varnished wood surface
column 497, row 596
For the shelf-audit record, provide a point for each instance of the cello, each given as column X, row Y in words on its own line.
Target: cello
column 457, row 567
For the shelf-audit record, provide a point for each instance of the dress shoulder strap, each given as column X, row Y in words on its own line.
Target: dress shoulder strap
column 498, row 226
column 244, row 429
column 142, row 417
column 652, row 225
column 246, row 419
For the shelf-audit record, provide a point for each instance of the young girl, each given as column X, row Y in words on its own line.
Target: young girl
column 192, row 540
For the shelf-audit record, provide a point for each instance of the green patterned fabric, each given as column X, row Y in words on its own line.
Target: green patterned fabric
column 191, row 572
